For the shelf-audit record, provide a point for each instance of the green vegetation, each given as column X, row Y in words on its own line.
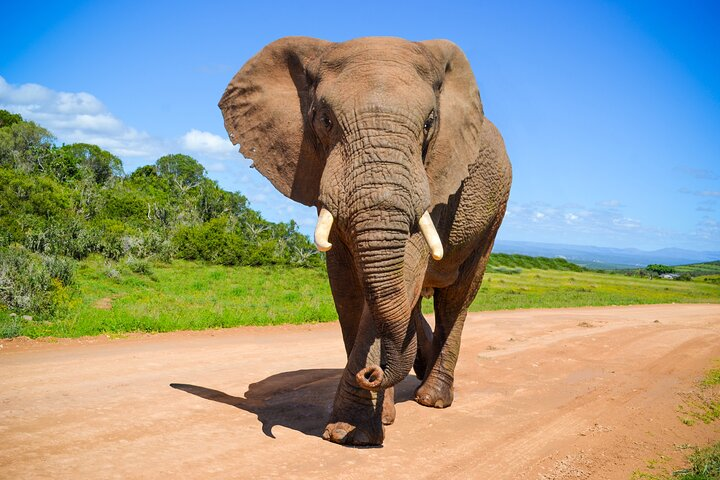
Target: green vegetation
column 504, row 260
column 700, row 269
column 62, row 204
column 553, row 288
column 704, row 463
column 659, row 269
column 136, row 294
column 706, row 272
column 88, row 249
column 712, row 377
column 703, row 404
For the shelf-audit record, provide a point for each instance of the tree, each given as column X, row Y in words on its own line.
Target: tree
column 25, row 146
column 659, row 269
column 7, row 118
column 84, row 160
column 183, row 171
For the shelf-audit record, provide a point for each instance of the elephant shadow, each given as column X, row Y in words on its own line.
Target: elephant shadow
column 300, row 400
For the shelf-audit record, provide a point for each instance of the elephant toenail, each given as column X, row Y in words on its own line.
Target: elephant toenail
column 338, row 434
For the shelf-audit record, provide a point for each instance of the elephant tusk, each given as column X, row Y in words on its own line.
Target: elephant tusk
column 322, row 230
column 431, row 236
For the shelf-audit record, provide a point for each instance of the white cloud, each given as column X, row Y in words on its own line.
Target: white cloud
column 77, row 117
column 610, row 203
column 216, row 167
column 699, row 173
column 581, row 224
column 207, row 143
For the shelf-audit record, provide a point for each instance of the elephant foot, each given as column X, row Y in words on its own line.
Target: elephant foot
column 345, row 433
column 358, row 415
column 434, row 394
column 388, row 408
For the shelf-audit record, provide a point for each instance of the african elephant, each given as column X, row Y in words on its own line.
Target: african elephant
column 387, row 138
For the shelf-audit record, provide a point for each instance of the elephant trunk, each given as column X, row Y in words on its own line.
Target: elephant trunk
column 381, row 192
column 380, row 256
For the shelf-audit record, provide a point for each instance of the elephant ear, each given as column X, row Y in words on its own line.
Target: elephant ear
column 264, row 109
column 457, row 142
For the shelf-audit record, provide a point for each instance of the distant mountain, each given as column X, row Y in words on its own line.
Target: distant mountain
column 605, row 257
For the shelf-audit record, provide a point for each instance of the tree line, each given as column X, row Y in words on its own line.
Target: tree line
column 62, row 203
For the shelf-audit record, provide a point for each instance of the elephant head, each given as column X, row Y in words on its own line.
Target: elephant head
column 377, row 133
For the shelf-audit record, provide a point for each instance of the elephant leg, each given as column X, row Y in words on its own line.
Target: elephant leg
column 346, row 291
column 425, row 341
column 357, row 415
column 451, row 306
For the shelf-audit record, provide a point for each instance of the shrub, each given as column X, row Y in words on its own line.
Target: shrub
column 659, row 269
column 213, row 241
column 138, row 265
column 505, row 270
column 70, row 237
column 33, row 284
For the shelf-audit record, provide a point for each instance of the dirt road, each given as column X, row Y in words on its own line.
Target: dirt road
column 540, row 394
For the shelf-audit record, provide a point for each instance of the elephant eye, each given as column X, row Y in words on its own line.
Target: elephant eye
column 325, row 120
column 429, row 122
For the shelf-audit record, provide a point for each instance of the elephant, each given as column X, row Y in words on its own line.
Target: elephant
column 387, row 138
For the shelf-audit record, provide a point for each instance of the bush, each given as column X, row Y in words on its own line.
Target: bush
column 33, row 284
column 659, row 269
column 138, row 265
column 215, row 241
column 75, row 200
column 504, row 270
column 69, row 237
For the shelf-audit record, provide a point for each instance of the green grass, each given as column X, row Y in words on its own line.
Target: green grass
column 703, row 403
column 524, row 261
column 712, row 377
column 193, row 296
column 554, row 289
column 704, row 464
column 698, row 269
column 188, row 296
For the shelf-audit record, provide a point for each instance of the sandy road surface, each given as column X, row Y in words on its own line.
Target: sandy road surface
column 540, row 394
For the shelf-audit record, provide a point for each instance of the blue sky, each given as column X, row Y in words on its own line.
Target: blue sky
column 610, row 110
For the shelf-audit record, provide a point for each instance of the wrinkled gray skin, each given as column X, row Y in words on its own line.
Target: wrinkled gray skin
column 378, row 130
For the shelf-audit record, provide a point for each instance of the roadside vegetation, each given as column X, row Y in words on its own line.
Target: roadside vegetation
column 703, row 405
column 114, row 297
column 59, row 205
column 87, row 249
column 707, row 272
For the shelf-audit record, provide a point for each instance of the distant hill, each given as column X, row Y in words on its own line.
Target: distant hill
column 699, row 269
column 608, row 258
column 501, row 262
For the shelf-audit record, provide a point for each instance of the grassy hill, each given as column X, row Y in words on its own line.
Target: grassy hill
column 699, row 269
column 500, row 262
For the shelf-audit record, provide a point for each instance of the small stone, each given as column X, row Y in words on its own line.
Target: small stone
column 27, row 318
